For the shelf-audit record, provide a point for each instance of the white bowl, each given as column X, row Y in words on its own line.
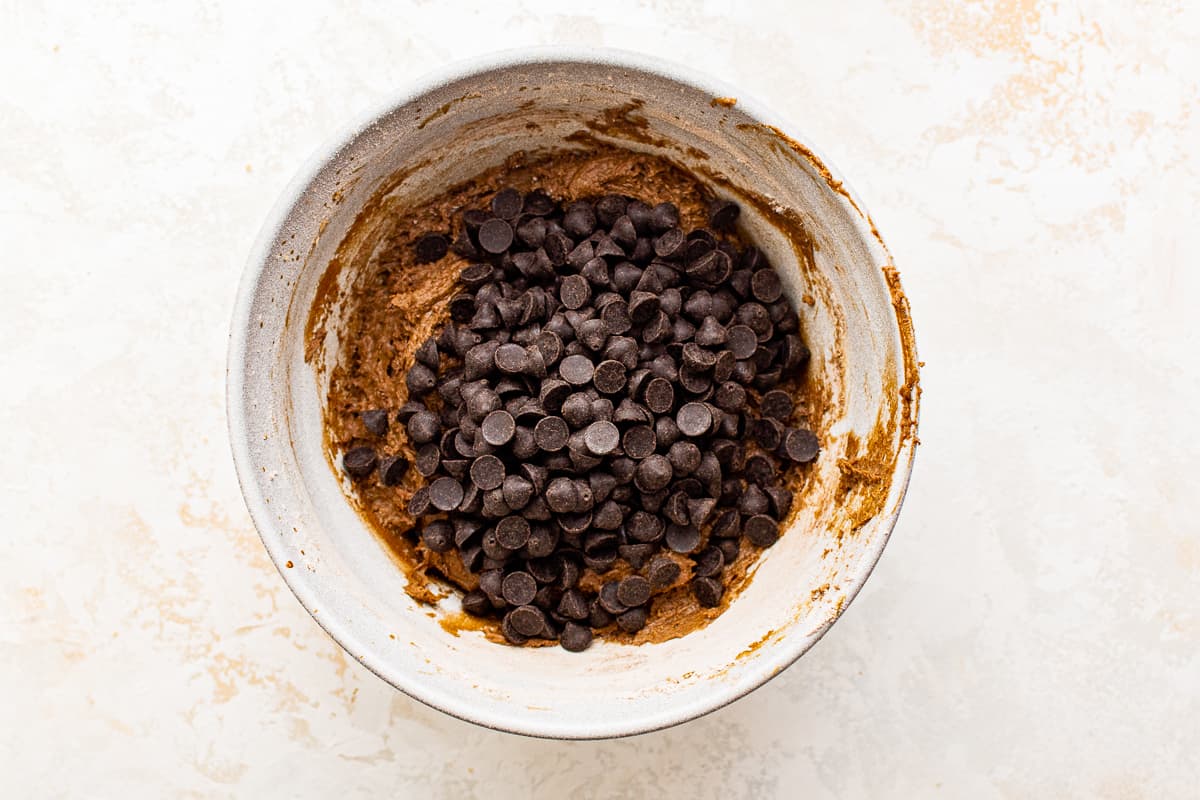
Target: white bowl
column 856, row 323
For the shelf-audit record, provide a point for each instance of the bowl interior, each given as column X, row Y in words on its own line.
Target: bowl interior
column 836, row 272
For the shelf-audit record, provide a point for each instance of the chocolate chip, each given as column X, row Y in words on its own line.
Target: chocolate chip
column 708, row 591
column 623, row 233
column 438, row 535
column 420, row 380
column 492, row 548
column 429, row 459
column 723, row 369
column 709, row 474
column 593, row 334
column 446, row 493
column 666, row 431
column 743, row 372
column 629, row 411
column 574, row 291
column 694, row 381
column 641, row 215
column 517, row 491
column 518, row 589
column 490, row 582
column 625, row 277
column 664, row 216
column 553, row 393
column 711, row 333
column 472, row 502
column 476, row 603
column 682, row 538
column 801, row 445
column 577, row 410
column 601, row 438
column 431, row 247
column 684, row 457
column 602, row 409
column 486, row 317
column 753, row 501
column 475, row 276
column 606, row 247
column 766, row 286
column 639, row 442
column 576, row 369
column 730, row 396
column 575, row 638
column 609, row 376
column 562, row 496
column 722, row 214
column 659, row 396
column 526, row 621
column 539, row 203
column 776, row 404
column 551, row 434
column 761, row 530
column 463, row 246
column 662, row 572
column 487, row 472
column 700, row 509
column 376, row 421
column 768, row 432
column 767, row 380
column 759, row 469
column 616, row 319
column 653, row 473
column 729, row 549
column 709, row 563
column 512, row 532
column 694, row 419
column 495, row 236
column 472, row 558
column 608, row 599
column 675, row 509
column 465, row 529
column 507, row 204
column 419, row 503
column 793, row 352
column 755, row 317
column 644, row 527
column 511, row 358
column 580, row 219
column 670, row 244
column 498, row 428
column 636, row 554
column 697, row 358
column 742, row 341
column 643, row 306
column 781, row 501
column 542, row 538
column 610, row 207
column 409, row 410
column 359, row 462
column 727, row 524
column 633, row 620
column 658, row 329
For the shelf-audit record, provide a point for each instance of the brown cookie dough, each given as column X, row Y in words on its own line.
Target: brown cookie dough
column 396, row 303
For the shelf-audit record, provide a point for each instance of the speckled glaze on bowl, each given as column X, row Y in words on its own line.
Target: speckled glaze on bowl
column 449, row 127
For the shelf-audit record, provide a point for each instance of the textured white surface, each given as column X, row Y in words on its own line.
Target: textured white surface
column 1034, row 626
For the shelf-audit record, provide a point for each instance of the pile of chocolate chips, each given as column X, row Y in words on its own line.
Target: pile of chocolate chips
column 605, row 390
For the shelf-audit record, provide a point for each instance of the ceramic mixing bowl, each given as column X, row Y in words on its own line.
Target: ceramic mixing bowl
column 448, row 128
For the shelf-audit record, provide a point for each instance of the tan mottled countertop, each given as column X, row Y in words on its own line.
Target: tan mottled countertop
column 1033, row 629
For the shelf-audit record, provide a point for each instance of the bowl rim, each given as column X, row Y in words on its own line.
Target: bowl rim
column 787, row 649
